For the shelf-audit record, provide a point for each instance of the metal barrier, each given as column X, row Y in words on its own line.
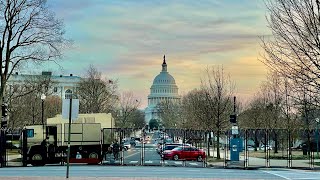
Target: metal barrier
column 260, row 148
column 13, row 147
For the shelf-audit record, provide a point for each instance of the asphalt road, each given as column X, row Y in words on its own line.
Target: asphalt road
column 157, row 172
column 133, row 157
column 147, row 155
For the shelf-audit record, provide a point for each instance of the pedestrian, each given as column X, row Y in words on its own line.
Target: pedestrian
column 116, row 149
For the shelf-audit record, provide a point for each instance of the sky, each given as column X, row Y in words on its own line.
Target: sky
column 126, row 40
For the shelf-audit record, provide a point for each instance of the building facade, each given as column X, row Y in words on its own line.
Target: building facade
column 62, row 86
column 164, row 88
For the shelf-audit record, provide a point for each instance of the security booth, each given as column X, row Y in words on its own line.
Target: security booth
column 236, row 146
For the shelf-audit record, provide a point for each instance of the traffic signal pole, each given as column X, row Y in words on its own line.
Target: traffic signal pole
column 4, row 120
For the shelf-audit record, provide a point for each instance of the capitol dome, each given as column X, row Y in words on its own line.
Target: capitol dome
column 164, row 78
column 164, row 88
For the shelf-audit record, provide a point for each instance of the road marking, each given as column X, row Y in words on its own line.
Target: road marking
column 133, row 161
column 275, row 174
column 131, row 155
column 148, row 161
column 193, row 170
column 178, row 162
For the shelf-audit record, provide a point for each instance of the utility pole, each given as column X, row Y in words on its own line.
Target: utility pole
column 69, row 134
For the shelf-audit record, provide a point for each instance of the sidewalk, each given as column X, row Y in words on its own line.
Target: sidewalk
column 261, row 162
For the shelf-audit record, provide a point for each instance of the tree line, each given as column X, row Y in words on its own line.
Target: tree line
column 287, row 99
column 31, row 34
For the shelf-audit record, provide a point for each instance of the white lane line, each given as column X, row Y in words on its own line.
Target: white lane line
column 178, row 162
column 193, row 170
column 133, row 162
column 148, row 161
column 275, row 174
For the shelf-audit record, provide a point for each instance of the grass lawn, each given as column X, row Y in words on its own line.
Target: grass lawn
column 296, row 155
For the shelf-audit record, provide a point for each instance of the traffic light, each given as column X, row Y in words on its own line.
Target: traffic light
column 4, row 123
column 4, row 110
column 233, row 118
column 4, row 115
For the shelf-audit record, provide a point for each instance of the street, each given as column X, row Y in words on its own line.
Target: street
column 153, row 168
column 133, row 156
column 155, row 172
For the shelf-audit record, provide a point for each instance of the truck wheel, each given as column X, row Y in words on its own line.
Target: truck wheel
column 93, row 155
column 37, row 160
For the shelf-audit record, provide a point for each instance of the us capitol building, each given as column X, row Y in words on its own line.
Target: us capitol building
column 164, row 88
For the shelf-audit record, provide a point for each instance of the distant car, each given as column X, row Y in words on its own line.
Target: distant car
column 127, row 145
column 268, row 147
column 185, row 152
column 250, row 148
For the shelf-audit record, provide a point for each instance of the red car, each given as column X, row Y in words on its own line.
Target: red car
column 185, row 153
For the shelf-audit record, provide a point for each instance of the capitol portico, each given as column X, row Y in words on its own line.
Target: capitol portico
column 164, row 88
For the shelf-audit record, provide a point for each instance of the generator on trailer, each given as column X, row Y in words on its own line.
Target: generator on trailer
column 48, row 144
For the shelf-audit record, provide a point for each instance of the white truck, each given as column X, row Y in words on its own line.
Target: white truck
column 48, row 144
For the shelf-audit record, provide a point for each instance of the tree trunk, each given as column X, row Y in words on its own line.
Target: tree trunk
column 276, row 142
column 256, row 142
column 218, row 145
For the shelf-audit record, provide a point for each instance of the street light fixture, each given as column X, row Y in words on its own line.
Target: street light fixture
column 43, row 97
column 317, row 120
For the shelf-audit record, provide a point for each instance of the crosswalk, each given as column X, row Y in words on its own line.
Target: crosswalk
column 145, row 149
column 156, row 162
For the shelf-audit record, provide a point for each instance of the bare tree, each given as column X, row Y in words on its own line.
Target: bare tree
column 252, row 118
column 29, row 32
column 128, row 105
column 96, row 95
column 25, row 102
column 195, row 111
column 218, row 90
column 293, row 51
column 170, row 113
column 137, row 119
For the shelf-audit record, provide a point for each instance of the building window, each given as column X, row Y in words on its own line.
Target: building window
column 68, row 94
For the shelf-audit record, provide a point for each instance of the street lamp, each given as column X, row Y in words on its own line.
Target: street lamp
column 317, row 120
column 43, row 97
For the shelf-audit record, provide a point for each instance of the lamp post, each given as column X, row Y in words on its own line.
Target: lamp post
column 43, row 97
column 317, row 120
column 69, row 134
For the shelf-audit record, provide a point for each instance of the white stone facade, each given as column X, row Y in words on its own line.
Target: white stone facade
column 61, row 85
column 164, row 88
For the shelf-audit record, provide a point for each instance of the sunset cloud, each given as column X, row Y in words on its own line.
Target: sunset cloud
column 127, row 39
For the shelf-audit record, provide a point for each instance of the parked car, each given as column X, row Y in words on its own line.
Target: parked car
column 185, row 152
column 249, row 148
column 169, row 146
column 268, row 147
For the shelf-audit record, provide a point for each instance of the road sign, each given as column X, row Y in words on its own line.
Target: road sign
column 66, row 109
column 234, row 130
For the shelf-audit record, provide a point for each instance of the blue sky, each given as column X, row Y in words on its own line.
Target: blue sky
column 126, row 40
